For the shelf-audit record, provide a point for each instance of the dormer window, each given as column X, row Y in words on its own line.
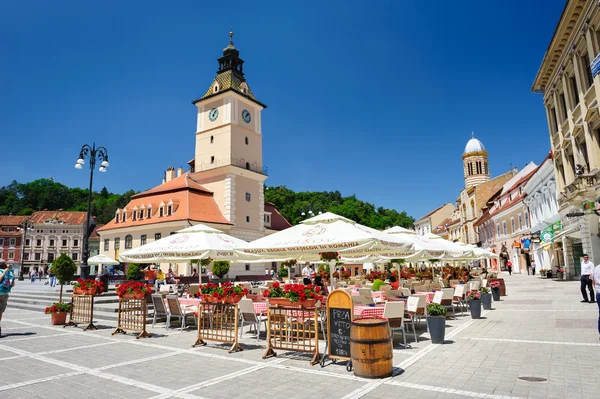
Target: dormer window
column 123, row 216
column 134, row 215
column 149, row 212
column 169, row 210
column 161, row 212
column 216, row 88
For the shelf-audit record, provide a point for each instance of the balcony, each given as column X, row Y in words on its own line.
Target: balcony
column 583, row 188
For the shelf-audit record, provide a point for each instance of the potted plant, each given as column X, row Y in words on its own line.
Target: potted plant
column 220, row 268
column 548, row 273
column 436, row 322
column 290, row 294
column 486, row 298
column 224, row 293
column 543, row 272
column 133, row 272
column 474, row 301
column 560, row 272
column 88, row 287
column 64, row 269
column 133, row 290
column 59, row 312
column 495, row 286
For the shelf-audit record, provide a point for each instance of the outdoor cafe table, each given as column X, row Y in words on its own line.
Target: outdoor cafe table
column 259, row 307
column 429, row 296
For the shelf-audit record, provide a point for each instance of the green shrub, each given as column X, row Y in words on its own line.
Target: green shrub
column 220, row 268
column 433, row 309
column 283, row 272
column 377, row 284
column 133, row 272
column 64, row 269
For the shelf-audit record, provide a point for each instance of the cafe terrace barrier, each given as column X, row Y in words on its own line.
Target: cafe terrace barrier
column 82, row 311
column 132, row 317
column 218, row 322
column 293, row 328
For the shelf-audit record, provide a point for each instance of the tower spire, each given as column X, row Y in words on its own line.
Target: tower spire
column 231, row 35
column 472, row 134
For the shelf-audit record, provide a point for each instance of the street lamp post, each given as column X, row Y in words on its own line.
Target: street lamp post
column 26, row 228
column 93, row 154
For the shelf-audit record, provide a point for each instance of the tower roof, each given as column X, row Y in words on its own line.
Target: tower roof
column 474, row 145
column 230, row 75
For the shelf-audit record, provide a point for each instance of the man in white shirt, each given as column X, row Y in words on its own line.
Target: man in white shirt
column 306, row 272
column 596, row 280
column 587, row 268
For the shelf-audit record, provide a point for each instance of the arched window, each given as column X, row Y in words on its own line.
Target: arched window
column 212, row 139
column 246, row 140
column 248, row 165
column 128, row 241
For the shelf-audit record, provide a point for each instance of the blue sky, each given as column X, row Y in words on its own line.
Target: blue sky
column 375, row 98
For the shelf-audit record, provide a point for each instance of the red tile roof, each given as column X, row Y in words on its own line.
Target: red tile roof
column 12, row 220
column 72, row 218
column 95, row 235
column 183, row 182
column 446, row 222
column 278, row 222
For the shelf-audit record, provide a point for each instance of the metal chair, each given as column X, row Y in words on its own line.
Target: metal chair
column 176, row 311
column 249, row 317
column 159, row 308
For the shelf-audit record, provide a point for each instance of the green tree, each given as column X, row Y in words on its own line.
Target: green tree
column 220, row 268
column 64, row 269
column 133, row 272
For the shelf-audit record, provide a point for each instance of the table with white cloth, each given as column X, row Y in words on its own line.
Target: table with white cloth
column 429, row 296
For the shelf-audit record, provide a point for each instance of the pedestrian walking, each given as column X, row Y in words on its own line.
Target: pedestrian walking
column 509, row 268
column 587, row 268
column 7, row 281
column 596, row 281
column 533, row 267
column 51, row 278
column 32, row 275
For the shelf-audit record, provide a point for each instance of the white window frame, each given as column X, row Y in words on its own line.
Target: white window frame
column 512, row 225
column 12, row 242
column 504, row 229
column 520, row 221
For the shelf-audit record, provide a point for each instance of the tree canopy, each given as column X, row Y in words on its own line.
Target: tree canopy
column 291, row 205
column 25, row 198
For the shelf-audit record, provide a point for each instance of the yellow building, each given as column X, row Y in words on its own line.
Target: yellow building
column 223, row 189
column 570, row 92
column 428, row 223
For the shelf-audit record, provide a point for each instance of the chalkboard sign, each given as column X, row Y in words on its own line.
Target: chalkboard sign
column 339, row 332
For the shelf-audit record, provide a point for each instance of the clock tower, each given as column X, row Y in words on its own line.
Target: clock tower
column 228, row 158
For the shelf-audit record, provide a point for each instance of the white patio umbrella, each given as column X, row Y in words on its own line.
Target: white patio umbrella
column 327, row 232
column 102, row 260
column 451, row 250
column 194, row 242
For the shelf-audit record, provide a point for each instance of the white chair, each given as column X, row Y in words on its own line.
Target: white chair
column 249, row 317
column 365, row 296
column 394, row 312
column 176, row 311
column 458, row 297
column 405, row 291
column 475, row 285
column 484, row 283
column 412, row 307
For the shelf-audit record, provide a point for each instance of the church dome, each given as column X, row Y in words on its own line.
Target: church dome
column 474, row 145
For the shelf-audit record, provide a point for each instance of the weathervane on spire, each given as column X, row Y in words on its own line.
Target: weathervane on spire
column 230, row 34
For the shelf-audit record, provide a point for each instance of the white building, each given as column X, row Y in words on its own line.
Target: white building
column 543, row 210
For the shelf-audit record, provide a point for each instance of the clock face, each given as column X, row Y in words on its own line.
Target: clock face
column 213, row 114
column 246, row 116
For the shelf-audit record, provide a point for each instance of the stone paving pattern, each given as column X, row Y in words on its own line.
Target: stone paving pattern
column 539, row 330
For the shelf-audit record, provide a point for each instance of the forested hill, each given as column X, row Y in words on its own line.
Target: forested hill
column 291, row 205
column 26, row 198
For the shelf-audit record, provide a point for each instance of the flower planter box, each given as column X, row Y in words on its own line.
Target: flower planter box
column 310, row 303
column 85, row 291
column 560, row 275
column 58, row 318
column 135, row 295
column 437, row 328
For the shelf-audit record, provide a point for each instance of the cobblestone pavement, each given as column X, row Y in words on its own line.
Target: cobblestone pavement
column 539, row 330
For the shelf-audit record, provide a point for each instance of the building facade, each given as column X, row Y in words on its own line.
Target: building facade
column 541, row 202
column 429, row 222
column 509, row 216
column 11, row 239
column 223, row 189
column 50, row 234
column 570, row 95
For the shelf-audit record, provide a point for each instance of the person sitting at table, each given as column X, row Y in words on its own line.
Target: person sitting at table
column 171, row 277
column 160, row 279
column 194, row 273
column 306, row 273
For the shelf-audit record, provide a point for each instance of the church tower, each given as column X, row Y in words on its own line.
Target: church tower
column 228, row 158
column 475, row 163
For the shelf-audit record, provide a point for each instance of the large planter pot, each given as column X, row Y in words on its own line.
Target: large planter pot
column 475, row 308
column 58, row 318
column 85, row 291
column 549, row 274
column 437, row 328
column 496, row 294
column 486, row 300
column 559, row 275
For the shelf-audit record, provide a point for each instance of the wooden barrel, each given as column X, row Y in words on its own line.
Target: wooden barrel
column 371, row 348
